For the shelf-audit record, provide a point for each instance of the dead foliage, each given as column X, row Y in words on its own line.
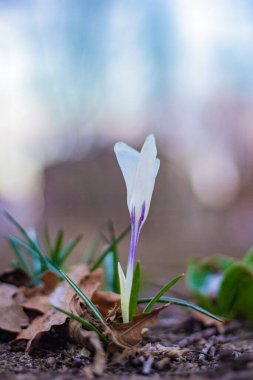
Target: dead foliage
column 12, row 315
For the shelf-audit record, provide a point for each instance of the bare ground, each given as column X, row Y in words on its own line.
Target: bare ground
column 176, row 348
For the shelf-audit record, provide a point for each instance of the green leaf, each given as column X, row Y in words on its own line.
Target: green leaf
column 57, row 246
column 49, row 264
column 161, row 293
column 49, row 247
column 92, row 247
column 20, row 255
column 133, row 303
column 87, row 325
column 180, row 302
column 235, row 297
column 203, row 276
column 111, row 264
column 248, row 259
column 64, row 253
column 109, row 249
column 124, row 299
column 33, row 244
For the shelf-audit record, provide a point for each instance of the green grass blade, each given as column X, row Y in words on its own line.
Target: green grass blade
column 109, row 249
column 21, row 229
column 48, row 243
column 111, row 264
column 92, row 248
column 38, row 265
column 83, row 296
column 87, row 325
column 161, row 293
column 133, row 304
column 55, row 252
column 49, row 264
column 20, row 255
column 180, row 302
column 64, row 253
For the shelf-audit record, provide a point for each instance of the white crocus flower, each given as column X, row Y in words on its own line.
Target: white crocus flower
column 139, row 170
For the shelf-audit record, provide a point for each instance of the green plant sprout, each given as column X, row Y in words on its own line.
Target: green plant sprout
column 108, row 257
column 35, row 250
column 223, row 285
column 56, row 251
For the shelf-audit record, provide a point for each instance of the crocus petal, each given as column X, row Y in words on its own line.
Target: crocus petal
column 128, row 159
column 139, row 170
column 144, row 180
column 123, row 295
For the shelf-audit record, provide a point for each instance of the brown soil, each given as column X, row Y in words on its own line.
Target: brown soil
column 197, row 352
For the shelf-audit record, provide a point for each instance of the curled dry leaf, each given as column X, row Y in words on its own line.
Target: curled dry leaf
column 61, row 297
column 128, row 335
column 108, row 303
column 39, row 326
column 12, row 315
column 15, row 277
column 90, row 340
column 37, row 298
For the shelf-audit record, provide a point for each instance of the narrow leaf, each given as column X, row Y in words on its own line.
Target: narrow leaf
column 20, row 255
column 87, row 325
column 111, row 264
column 57, row 246
column 123, row 295
column 109, row 249
column 48, row 242
column 133, row 304
column 161, row 293
column 92, row 247
column 64, row 253
column 48, row 262
column 180, row 302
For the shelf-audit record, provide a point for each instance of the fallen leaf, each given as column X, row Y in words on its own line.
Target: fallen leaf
column 62, row 297
column 15, row 277
column 63, row 293
column 39, row 303
column 12, row 315
column 108, row 303
column 128, row 335
column 39, row 326
column 90, row 340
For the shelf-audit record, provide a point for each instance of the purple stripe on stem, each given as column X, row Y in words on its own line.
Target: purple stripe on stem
column 134, row 241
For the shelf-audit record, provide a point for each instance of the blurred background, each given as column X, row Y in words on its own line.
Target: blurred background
column 78, row 76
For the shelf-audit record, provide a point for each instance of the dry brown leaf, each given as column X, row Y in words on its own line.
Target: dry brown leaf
column 90, row 340
column 12, row 315
column 63, row 293
column 39, row 326
column 61, row 297
column 36, row 298
column 128, row 335
column 108, row 303
column 15, row 277
column 39, row 303
column 92, row 282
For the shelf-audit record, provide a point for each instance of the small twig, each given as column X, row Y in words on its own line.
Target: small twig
column 203, row 334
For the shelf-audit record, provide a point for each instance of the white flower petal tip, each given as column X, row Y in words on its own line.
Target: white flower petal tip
column 139, row 170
